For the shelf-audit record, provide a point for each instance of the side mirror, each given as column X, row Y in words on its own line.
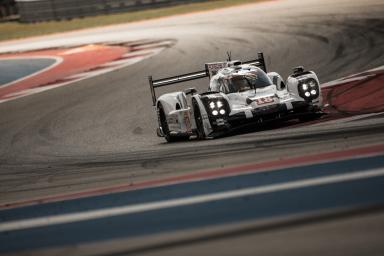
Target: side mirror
column 190, row 91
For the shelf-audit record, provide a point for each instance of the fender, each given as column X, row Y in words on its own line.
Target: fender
column 302, row 79
column 172, row 101
column 177, row 112
column 277, row 80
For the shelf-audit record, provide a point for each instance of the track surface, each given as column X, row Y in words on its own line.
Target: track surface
column 100, row 131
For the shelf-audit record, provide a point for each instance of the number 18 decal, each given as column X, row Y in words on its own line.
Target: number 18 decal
column 266, row 100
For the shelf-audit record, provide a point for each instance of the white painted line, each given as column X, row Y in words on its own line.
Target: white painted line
column 352, row 78
column 381, row 68
column 346, row 80
column 346, row 119
column 129, row 209
column 81, row 76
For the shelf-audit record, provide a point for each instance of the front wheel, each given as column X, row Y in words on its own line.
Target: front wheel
column 199, row 120
column 310, row 117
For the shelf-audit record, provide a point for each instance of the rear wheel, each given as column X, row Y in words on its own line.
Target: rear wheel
column 198, row 120
column 164, row 124
column 165, row 128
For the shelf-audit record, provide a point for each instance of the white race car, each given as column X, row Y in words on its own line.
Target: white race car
column 239, row 93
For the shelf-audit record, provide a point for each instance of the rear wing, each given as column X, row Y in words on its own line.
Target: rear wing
column 153, row 84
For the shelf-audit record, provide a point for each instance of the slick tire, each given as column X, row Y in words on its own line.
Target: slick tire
column 310, row 117
column 164, row 125
column 199, row 120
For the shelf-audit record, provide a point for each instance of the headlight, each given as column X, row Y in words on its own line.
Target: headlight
column 308, row 89
column 216, row 107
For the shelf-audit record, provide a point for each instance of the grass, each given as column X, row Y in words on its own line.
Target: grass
column 16, row 30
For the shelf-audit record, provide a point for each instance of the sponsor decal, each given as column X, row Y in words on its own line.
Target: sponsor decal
column 213, row 68
column 172, row 119
column 265, row 100
column 187, row 121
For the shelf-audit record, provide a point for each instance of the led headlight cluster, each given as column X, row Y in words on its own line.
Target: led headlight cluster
column 217, row 107
column 309, row 89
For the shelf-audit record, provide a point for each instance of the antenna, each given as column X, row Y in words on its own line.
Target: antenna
column 229, row 54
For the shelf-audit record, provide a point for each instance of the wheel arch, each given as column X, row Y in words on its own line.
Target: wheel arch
column 172, row 101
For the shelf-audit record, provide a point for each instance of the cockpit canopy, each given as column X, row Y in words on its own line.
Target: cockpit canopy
column 240, row 81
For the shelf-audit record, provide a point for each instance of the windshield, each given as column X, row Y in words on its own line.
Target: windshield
column 241, row 83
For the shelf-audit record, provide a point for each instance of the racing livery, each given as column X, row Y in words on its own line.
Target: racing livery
column 239, row 93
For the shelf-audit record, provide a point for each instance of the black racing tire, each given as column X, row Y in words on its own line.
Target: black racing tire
column 164, row 125
column 199, row 120
column 310, row 117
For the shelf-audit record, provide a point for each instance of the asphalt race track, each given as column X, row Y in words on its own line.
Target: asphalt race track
column 312, row 188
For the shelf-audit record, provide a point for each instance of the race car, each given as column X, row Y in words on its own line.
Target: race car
column 239, row 93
